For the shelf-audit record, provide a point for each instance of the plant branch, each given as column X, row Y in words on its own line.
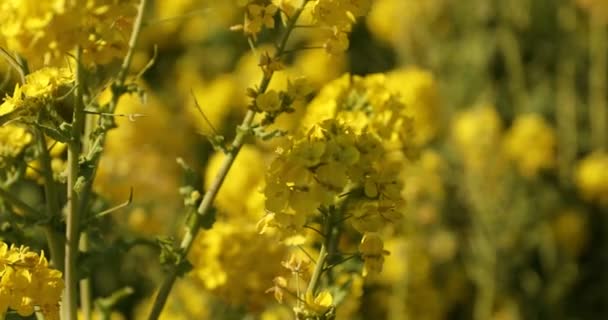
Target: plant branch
column 206, row 204
column 316, row 275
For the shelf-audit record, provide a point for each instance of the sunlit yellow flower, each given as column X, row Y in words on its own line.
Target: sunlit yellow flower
column 418, row 90
column 476, row 133
column 591, row 177
column 319, row 303
column 41, row 88
column 241, row 183
column 26, row 281
column 531, row 144
column 45, row 31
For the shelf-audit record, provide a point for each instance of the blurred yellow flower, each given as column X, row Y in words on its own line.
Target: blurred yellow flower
column 418, row 91
column 44, row 31
column 236, row 263
column 476, row 133
column 140, row 155
column 530, row 143
column 13, row 140
column 372, row 251
column 320, row 303
column 591, row 177
column 570, row 229
column 241, row 183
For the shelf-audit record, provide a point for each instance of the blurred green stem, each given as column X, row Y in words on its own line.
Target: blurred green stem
column 566, row 118
column 206, row 204
column 509, row 46
column 598, row 110
column 55, row 239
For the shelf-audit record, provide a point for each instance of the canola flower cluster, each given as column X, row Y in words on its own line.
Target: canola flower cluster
column 13, row 140
column 27, row 282
column 41, row 93
column 366, row 103
column 334, row 18
column 234, row 263
column 343, row 160
column 42, row 89
column 337, row 18
column 44, row 31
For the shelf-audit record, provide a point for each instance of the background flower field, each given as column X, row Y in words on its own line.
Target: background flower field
column 475, row 132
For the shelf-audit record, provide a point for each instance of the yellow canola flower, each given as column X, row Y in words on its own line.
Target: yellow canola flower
column 40, row 88
column 46, row 81
column 398, row 21
column 243, row 182
column 44, row 31
column 26, row 282
column 373, row 253
column 364, row 103
column 591, row 177
column 425, row 178
column 340, row 14
column 342, row 146
column 236, row 263
column 476, row 132
column 531, row 143
column 259, row 16
column 13, row 140
column 320, row 303
column 140, row 155
column 417, row 89
column 337, row 17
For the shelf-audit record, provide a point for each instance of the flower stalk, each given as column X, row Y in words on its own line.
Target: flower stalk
column 205, row 207
column 72, row 208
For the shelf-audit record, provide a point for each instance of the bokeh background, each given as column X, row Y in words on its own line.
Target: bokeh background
column 507, row 190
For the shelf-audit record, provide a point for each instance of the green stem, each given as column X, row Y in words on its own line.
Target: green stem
column 328, row 250
column 73, row 207
column 120, row 83
column 54, row 239
column 316, row 275
column 85, row 283
column 206, row 204
column 598, row 113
